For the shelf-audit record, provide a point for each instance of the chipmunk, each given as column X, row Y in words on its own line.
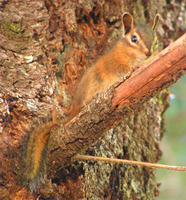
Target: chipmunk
column 138, row 44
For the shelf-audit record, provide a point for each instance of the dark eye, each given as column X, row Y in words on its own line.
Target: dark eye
column 134, row 39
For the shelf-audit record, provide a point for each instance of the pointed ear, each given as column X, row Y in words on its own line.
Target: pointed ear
column 128, row 22
column 155, row 22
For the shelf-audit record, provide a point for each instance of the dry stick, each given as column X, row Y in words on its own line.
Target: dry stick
column 129, row 162
column 54, row 114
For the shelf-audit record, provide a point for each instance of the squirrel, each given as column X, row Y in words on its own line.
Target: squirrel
column 138, row 44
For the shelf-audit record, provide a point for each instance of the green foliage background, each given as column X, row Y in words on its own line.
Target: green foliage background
column 173, row 145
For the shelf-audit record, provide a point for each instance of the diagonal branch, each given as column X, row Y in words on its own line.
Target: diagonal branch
column 116, row 103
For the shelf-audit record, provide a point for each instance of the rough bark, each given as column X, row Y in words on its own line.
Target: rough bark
column 48, row 44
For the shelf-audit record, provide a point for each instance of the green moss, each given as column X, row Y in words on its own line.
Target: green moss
column 164, row 95
column 11, row 29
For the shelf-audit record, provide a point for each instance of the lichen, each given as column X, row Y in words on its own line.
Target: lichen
column 11, row 28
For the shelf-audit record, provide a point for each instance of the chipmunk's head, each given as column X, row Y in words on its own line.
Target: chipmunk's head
column 141, row 37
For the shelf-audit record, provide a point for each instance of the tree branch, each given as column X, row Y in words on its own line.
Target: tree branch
column 113, row 105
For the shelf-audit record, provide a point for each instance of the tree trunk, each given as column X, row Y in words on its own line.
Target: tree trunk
column 44, row 48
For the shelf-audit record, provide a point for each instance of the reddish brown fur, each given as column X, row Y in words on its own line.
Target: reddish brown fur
column 122, row 58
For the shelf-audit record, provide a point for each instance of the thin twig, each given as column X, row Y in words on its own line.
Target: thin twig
column 129, row 162
column 54, row 114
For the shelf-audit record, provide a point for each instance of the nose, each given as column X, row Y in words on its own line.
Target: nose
column 148, row 53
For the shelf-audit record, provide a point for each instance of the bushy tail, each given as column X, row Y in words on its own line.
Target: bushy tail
column 35, row 156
